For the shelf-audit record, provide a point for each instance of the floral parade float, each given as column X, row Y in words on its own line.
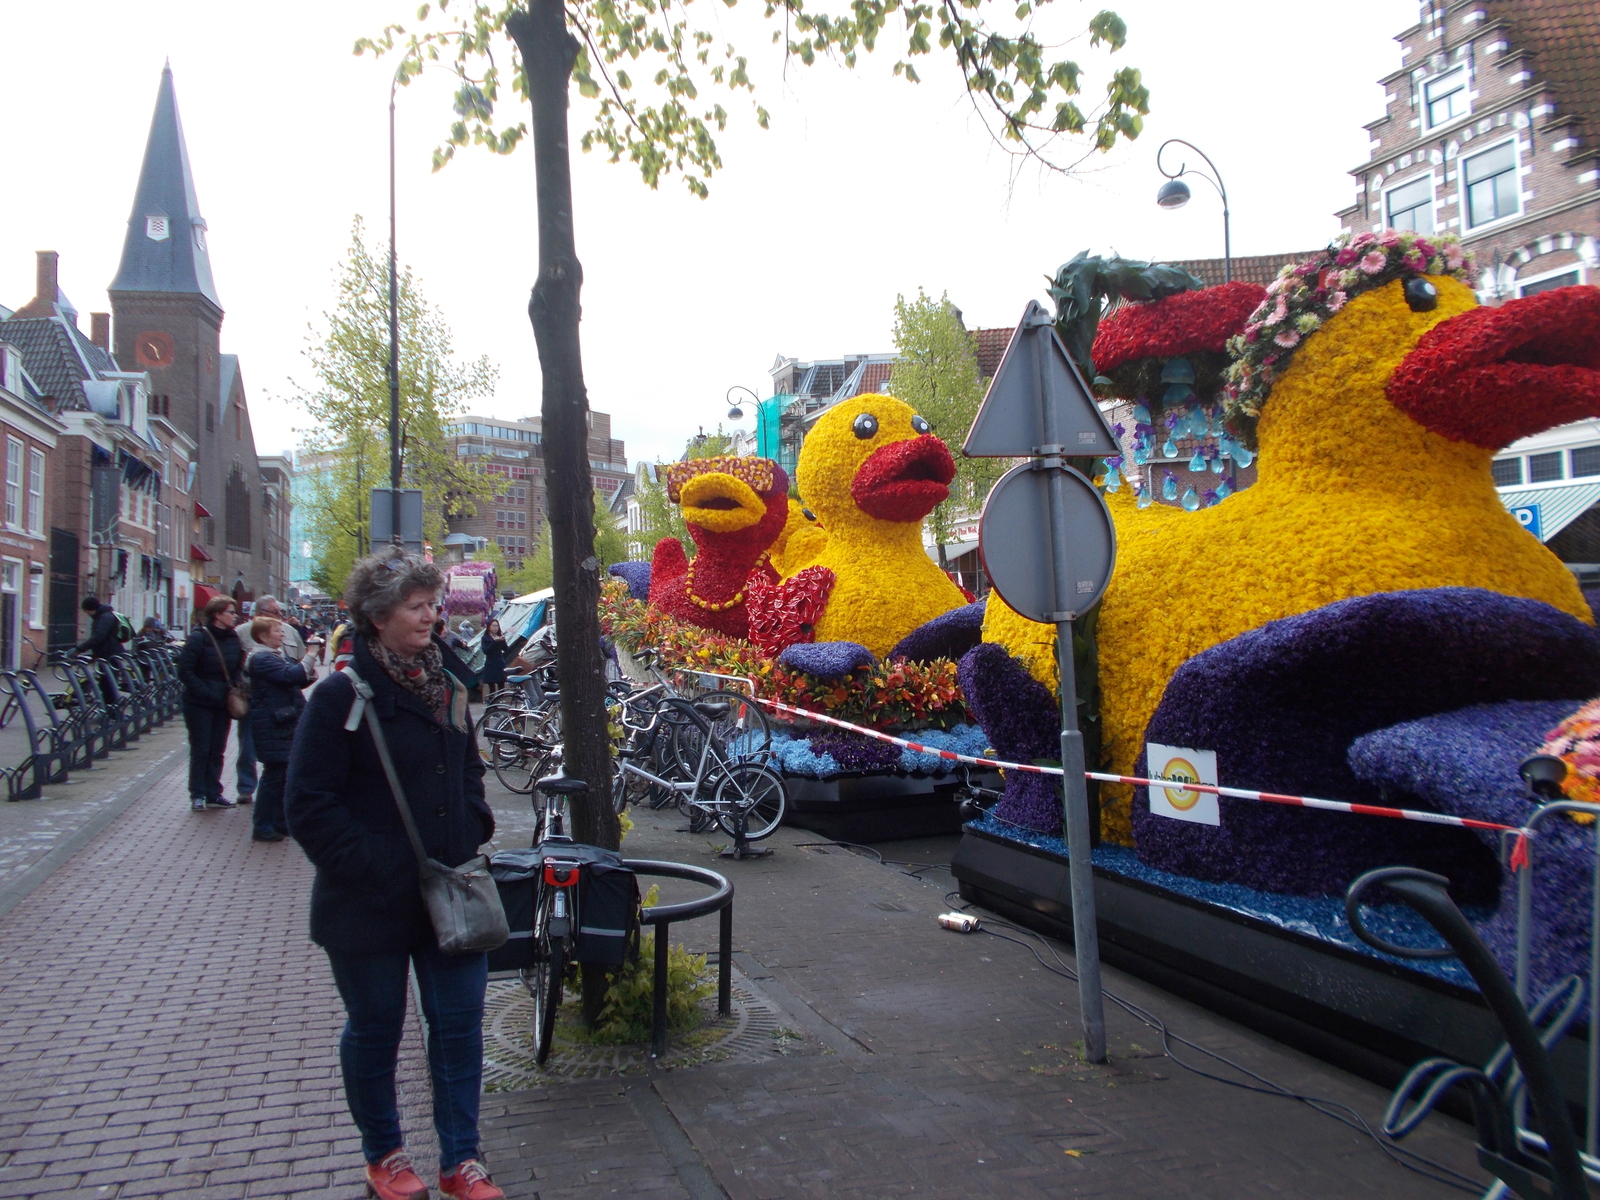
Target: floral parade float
column 1366, row 623
column 862, row 625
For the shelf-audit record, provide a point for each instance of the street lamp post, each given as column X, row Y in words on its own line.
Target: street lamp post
column 394, row 338
column 1174, row 193
column 736, row 411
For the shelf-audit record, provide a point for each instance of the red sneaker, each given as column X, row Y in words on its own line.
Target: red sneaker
column 469, row 1181
column 393, row 1179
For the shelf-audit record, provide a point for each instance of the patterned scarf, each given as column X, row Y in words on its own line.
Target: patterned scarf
column 422, row 676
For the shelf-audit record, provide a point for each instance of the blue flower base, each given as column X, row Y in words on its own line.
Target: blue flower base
column 796, row 756
column 1319, row 917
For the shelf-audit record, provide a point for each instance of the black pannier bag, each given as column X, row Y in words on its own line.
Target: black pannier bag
column 516, row 877
column 608, row 903
column 608, row 910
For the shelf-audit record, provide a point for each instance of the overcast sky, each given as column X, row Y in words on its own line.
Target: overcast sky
column 865, row 187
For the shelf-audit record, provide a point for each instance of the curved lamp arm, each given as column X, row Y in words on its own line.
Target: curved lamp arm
column 1215, row 180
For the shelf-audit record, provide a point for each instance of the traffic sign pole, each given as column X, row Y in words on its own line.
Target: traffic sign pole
column 1085, row 930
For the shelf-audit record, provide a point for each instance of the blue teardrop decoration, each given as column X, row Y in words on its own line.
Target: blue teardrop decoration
column 1169, row 488
column 1177, row 370
column 1243, row 455
column 1144, row 496
column 1141, row 452
column 1223, row 490
column 1170, row 450
column 1113, row 479
column 1141, row 415
column 1191, row 500
column 1198, row 462
column 1178, row 393
column 1216, row 465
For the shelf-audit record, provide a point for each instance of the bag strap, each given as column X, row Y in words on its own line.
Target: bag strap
column 363, row 705
column 227, row 677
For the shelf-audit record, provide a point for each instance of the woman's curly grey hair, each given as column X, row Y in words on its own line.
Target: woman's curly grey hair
column 384, row 581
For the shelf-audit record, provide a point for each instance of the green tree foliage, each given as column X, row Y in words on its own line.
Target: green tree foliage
column 642, row 67
column 936, row 373
column 348, row 410
column 610, row 546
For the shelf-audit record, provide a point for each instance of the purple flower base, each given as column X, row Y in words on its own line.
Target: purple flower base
column 636, row 575
column 1465, row 763
column 827, row 660
column 947, row 636
column 853, row 752
column 1281, row 705
column 1023, row 722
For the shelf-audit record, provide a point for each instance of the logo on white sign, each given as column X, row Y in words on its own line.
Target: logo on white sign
column 1190, row 766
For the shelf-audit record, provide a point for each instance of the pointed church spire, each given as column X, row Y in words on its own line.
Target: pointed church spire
column 165, row 250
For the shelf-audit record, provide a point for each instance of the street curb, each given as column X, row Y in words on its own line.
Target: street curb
column 652, row 1109
column 15, row 892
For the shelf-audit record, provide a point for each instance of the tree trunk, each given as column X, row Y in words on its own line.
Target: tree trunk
column 548, row 52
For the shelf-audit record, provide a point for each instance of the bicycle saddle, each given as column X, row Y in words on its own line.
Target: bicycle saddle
column 518, row 678
column 712, row 708
column 561, row 785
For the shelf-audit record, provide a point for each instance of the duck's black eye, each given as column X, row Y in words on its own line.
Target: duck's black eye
column 864, row 426
column 808, row 514
column 1421, row 295
column 920, row 425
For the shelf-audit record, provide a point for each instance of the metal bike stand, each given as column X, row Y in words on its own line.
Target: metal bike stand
column 663, row 915
column 741, row 848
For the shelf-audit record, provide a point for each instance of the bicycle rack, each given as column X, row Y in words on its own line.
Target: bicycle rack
column 44, row 763
column 661, row 916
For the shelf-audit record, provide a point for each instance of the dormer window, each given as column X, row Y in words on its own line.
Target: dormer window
column 10, row 369
column 1446, row 97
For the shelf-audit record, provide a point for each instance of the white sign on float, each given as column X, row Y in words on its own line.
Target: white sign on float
column 1192, row 766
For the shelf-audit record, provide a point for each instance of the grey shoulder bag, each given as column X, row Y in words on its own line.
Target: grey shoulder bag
column 463, row 902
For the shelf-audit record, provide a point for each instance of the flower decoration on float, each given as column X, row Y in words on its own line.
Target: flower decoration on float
column 1576, row 742
column 1306, row 294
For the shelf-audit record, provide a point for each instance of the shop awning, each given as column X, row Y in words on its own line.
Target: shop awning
column 1546, row 511
column 203, row 595
column 200, row 510
column 198, row 552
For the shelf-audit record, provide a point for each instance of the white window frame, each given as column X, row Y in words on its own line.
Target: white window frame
column 1432, row 203
column 1427, row 105
column 1463, row 210
column 14, row 461
column 1580, row 267
column 36, row 601
column 7, row 566
column 35, row 514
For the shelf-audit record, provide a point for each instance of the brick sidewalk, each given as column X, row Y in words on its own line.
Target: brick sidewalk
column 166, row 1029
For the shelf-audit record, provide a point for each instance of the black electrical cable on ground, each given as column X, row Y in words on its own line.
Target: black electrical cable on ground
column 887, row 862
column 1420, row 1164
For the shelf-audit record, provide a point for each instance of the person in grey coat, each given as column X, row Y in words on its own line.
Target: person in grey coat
column 277, row 686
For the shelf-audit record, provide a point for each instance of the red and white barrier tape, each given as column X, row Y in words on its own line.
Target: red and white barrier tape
column 1365, row 810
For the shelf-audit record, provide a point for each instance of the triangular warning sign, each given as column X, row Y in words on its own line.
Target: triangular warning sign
column 1036, row 370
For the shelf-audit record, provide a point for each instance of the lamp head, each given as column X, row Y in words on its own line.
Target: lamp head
column 736, row 413
column 1174, row 193
column 1543, row 773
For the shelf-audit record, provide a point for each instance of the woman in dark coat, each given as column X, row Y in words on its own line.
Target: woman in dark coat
column 494, row 657
column 210, row 658
column 366, row 902
column 277, row 684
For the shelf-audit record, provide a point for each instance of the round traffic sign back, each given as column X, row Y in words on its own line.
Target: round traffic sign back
column 1018, row 550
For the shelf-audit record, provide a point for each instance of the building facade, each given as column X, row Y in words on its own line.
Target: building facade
column 1491, row 131
column 31, row 435
column 510, row 454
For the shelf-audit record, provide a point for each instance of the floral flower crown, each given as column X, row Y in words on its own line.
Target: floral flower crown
column 1306, row 294
column 757, row 472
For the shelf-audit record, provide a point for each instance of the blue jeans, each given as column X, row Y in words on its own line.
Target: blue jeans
column 373, row 987
column 268, row 816
column 246, row 766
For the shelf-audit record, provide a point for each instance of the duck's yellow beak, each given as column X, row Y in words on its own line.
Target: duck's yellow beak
column 721, row 503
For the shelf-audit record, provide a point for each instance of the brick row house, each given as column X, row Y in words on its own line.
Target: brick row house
column 149, row 491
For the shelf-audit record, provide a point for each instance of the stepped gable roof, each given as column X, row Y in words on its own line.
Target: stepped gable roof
column 165, row 249
column 1563, row 37
column 57, row 357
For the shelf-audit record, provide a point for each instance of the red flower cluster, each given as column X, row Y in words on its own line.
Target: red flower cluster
column 1188, row 323
column 783, row 614
column 1492, row 375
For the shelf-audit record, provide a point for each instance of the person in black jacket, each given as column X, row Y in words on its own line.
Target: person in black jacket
column 211, row 657
column 366, row 902
column 494, row 656
column 102, row 641
column 277, row 683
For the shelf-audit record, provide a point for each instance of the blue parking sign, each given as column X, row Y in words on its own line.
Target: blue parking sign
column 1528, row 517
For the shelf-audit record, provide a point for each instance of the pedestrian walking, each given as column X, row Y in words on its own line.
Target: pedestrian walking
column 366, row 902
column 106, row 631
column 209, row 665
column 277, row 686
column 494, row 656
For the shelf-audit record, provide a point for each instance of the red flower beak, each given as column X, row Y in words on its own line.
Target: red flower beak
column 903, row 481
column 1492, row 375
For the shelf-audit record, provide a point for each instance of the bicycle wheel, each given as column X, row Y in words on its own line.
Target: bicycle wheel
column 756, row 790
column 742, row 731
column 543, row 979
column 522, row 774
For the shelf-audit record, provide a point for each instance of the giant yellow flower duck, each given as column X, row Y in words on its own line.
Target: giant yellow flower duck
column 1377, row 391
column 870, row 470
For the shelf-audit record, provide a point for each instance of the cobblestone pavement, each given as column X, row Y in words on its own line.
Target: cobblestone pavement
column 166, row 1029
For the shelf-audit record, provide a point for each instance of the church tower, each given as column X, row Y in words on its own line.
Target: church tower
column 168, row 321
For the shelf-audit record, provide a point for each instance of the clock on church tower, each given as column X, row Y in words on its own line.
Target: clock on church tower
column 153, row 349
